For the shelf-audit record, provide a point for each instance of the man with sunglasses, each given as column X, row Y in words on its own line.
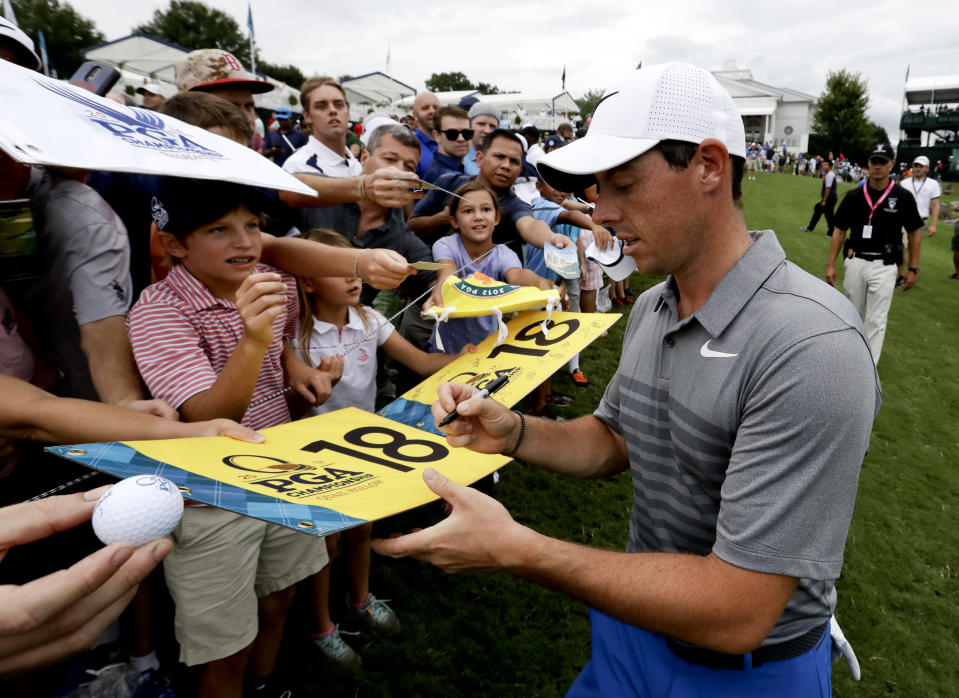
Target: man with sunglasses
column 451, row 129
column 875, row 214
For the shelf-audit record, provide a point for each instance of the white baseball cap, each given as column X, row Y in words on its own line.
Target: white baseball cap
column 374, row 121
column 670, row 101
column 921, row 160
column 19, row 42
column 151, row 87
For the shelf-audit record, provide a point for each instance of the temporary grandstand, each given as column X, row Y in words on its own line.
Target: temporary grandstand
column 930, row 123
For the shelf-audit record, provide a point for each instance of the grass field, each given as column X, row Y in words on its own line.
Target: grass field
column 493, row 635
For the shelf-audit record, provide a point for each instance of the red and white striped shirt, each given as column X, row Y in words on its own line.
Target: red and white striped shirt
column 182, row 336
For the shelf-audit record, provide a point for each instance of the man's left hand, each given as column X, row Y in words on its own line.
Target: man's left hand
column 473, row 538
column 909, row 280
column 391, row 187
column 382, row 268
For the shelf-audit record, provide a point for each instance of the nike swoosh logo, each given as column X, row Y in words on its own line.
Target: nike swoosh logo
column 708, row 353
column 604, row 99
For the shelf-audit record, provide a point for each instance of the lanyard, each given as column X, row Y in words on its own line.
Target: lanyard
column 916, row 191
column 874, row 206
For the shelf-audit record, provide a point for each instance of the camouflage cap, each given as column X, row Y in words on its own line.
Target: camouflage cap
column 210, row 67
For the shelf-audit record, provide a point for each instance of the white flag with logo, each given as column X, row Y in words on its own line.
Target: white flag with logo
column 49, row 122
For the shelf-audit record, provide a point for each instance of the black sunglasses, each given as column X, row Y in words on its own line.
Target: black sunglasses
column 452, row 133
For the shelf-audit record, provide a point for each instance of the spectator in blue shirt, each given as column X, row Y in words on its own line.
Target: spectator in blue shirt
column 424, row 107
column 451, row 129
column 282, row 142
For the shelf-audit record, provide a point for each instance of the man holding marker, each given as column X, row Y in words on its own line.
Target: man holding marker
column 743, row 449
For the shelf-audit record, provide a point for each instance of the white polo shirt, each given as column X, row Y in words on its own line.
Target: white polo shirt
column 316, row 158
column 357, row 387
column 924, row 192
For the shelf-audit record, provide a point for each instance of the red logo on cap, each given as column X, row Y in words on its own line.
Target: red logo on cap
column 232, row 62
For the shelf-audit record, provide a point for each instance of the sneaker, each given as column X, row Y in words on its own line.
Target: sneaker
column 270, row 688
column 376, row 616
column 153, row 684
column 334, row 647
column 955, row 276
column 900, row 281
column 559, row 399
column 804, row 229
column 579, row 379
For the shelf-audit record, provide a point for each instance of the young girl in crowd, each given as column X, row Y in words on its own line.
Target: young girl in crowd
column 333, row 323
column 474, row 217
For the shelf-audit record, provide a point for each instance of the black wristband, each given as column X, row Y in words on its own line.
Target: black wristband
column 522, row 433
column 914, row 270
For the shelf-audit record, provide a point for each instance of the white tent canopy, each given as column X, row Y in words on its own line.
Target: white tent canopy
column 943, row 89
column 444, row 98
column 367, row 92
column 141, row 58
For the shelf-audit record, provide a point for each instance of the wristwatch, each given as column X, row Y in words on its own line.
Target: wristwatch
column 914, row 270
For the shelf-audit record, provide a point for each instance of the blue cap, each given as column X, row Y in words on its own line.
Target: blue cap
column 283, row 113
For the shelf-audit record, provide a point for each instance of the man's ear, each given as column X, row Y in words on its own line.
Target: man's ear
column 168, row 242
column 479, row 157
column 364, row 156
column 712, row 159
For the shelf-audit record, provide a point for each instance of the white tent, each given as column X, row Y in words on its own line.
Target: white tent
column 406, row 103
column 372, row 92
column 532, row 108
column 943, row 89
column 141, row 58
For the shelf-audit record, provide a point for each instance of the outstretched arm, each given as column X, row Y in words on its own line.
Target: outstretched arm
column 699, row 599
column 30, row 413
column 389, row 187
column 380, row 268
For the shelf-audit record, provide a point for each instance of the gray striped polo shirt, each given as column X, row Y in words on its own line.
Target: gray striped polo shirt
column 746, row 425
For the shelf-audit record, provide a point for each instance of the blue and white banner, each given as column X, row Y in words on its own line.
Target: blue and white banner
column 50, row 122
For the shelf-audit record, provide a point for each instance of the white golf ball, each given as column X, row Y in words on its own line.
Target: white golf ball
column 137, row 510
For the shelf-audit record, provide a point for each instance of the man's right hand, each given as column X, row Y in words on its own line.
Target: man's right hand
column 382, row 268
column 391, row 187
column 484, row 425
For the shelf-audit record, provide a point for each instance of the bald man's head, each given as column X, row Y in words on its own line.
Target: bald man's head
column 424, row 107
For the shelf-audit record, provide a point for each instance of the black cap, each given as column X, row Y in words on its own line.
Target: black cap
column 183, row 205
column 881, row 151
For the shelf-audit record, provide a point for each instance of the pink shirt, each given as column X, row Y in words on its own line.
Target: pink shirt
column 182, row 336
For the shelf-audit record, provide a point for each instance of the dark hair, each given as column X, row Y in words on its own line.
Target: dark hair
column 448, row 110
column 465, row 189
column 206, row 111
column 530, row 132
column 498, row 133
column 678, row 155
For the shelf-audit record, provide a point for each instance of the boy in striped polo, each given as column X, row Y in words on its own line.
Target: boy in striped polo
column 209, row 339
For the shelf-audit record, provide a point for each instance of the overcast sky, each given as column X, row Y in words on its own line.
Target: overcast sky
column 524, row 47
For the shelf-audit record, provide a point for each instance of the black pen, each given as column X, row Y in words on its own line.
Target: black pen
column 484, row 393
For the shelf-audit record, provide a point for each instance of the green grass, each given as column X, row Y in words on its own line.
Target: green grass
column 468, row 635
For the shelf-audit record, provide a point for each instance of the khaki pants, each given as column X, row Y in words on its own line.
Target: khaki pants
column 869, row 285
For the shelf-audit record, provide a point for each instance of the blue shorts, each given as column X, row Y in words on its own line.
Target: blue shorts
column 628, row 661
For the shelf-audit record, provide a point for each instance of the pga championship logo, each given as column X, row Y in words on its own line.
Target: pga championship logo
column 144, row 129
